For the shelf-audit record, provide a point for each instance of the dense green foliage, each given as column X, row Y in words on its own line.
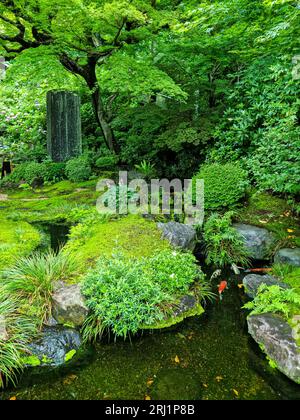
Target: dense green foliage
column 275, row 299
column 224, row 246
column 35, row 173
column 176, row 84
column 169, row 89
column 224, row 185
column 78, row 169
column 125, row 294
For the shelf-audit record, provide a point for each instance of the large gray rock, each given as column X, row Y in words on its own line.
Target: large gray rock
column 276, row 338
column 258, row 241
column 54, row 345
column 179, row 234
column 253, row 281
column 288, row 256
column 68, row 305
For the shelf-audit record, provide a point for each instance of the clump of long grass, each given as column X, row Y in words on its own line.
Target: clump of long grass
column 15, row 333
column 32, row 280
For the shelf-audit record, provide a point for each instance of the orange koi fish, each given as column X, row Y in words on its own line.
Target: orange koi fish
column 258, row 270
column 222, row 286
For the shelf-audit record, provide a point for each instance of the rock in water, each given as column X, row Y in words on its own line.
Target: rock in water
column 69, row 306
column 258, row 241
column 253, row 281
column 288, row 256
column 54, row 344
column 179, row 235
column 277, row 340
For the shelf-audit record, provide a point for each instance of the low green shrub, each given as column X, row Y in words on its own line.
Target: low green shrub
column 224, row 185
column 34, row 172
column 107, row 162
column 78, row 169
column 125, row 293
column 54, row 171
column 224, row 245
column 275, row 299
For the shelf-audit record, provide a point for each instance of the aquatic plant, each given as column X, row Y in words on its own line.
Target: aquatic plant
column 32, row 280
column 224, row 245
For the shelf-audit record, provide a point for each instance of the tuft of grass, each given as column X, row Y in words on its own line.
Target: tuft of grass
column 33, row 278
column 17, row 332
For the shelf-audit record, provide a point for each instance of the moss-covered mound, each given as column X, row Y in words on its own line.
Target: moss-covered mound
column 133, row 235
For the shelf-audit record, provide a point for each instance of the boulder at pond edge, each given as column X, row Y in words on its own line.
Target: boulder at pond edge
column 258, row 241
column 276, row 338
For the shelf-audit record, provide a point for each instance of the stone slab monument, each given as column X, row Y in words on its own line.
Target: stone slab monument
column 64, row 139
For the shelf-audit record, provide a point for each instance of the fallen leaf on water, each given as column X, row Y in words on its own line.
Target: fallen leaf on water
column 147, row 398
column 219, row 378
column 13, row 398
column 177, row 360
column 69, row 379
column 236, row 392
column 150, row 382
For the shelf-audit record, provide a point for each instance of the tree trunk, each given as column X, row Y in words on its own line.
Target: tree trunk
column 102, row 121
column 98, row 106
column 88, row 72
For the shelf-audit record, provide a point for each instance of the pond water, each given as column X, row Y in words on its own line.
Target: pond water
column 204, row 358
column 55, row 235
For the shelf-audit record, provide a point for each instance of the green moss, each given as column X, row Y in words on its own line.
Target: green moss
column 166, row 323
column 69, row 356
column 17, row 239
column 273, row 213
column 134, row 235
column 293, row 279
column 49, row 203
column 31, row 361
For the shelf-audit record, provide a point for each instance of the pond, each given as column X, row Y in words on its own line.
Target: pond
column 211, row 357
